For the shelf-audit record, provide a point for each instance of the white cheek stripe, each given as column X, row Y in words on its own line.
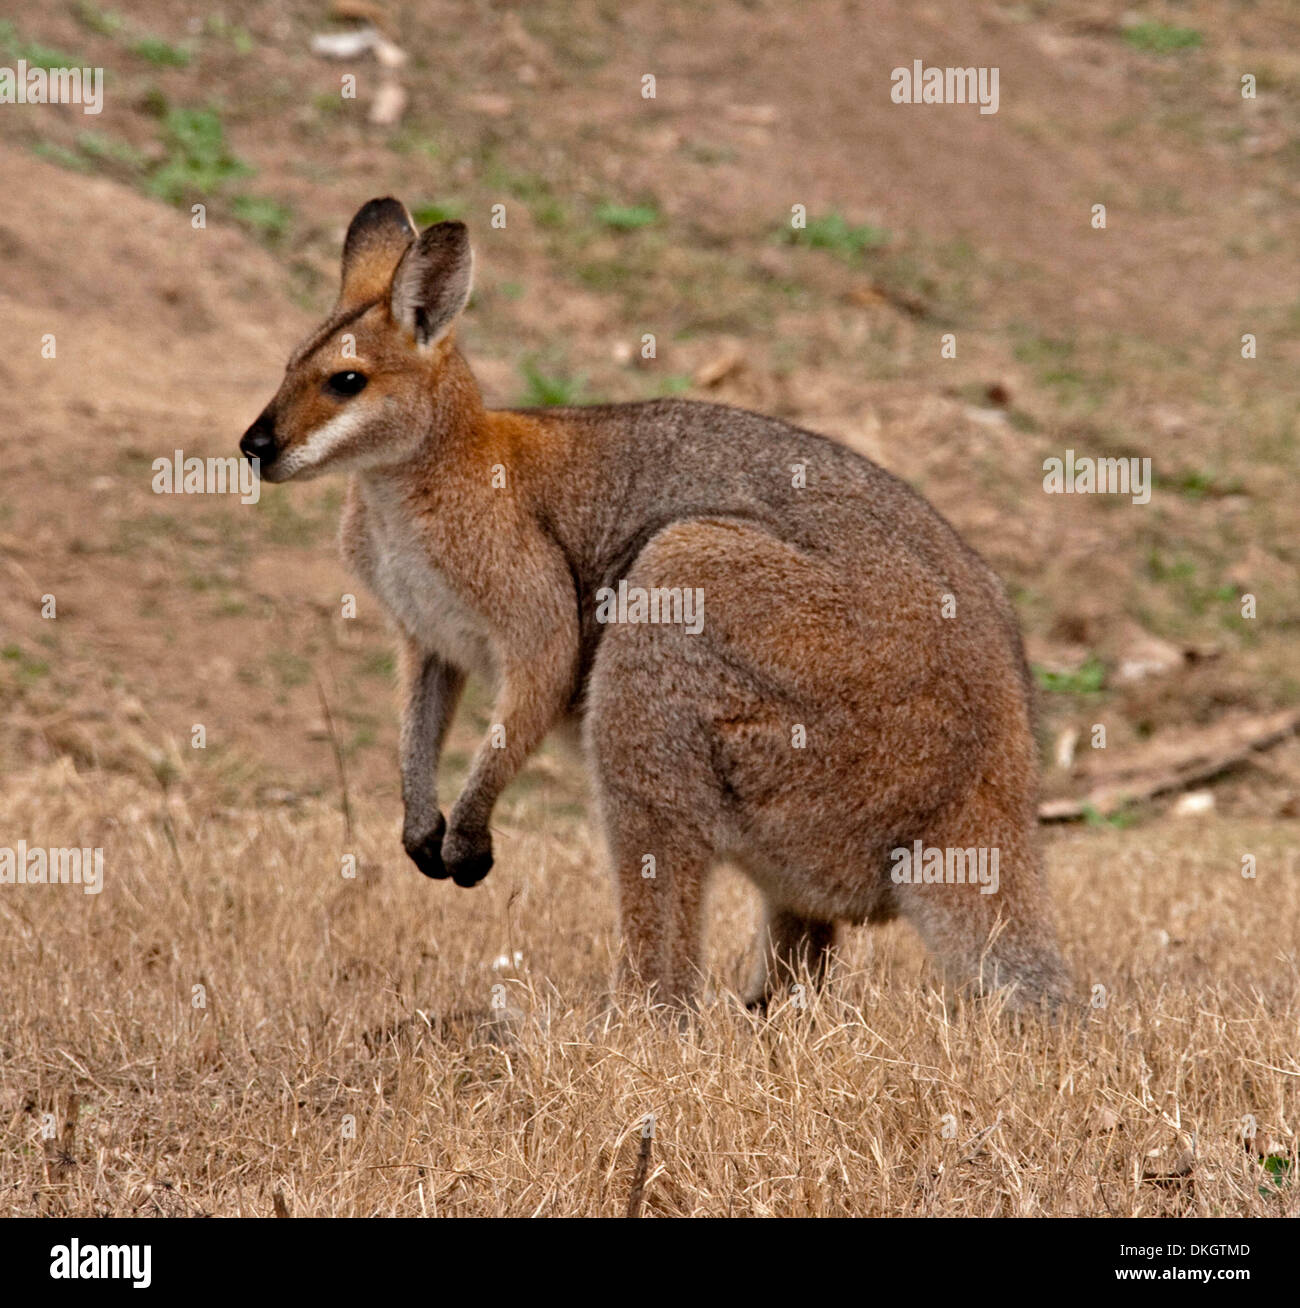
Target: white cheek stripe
column 322, row 442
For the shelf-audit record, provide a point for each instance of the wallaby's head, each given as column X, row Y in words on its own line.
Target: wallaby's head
column 362, row 390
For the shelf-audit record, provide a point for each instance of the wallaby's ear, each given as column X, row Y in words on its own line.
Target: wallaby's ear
column 377, row 238
column 432, row 282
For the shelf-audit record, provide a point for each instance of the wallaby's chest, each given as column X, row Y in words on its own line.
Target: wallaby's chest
column 384, row 545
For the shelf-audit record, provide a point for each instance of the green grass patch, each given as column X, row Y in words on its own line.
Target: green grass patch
column 544, row 388
column 1192, row 595
column 533, row 191
column 160, row 53
column 285, row 524
column 267, row 217
column 199, row 163
column 27, row 669
column 62, row 156
column 1199, row 484
column 290, row 669
column 426, row 215
column 1278, row 1169
column 626, row 217
column 834, row 233
column 1161, row 38
column 1090, row 679
column 239, row 37
column 103, row 22
column 380, row 663
column 34, row 54
column 1116, row 821
column 1056, row 365
column 109, row 149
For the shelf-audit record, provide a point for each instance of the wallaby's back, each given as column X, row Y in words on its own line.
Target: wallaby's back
column 633, row 469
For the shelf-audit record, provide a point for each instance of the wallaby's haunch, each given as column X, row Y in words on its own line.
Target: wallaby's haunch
column 856, row 683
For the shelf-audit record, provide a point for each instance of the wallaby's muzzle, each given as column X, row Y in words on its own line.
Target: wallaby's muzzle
column 259, row 442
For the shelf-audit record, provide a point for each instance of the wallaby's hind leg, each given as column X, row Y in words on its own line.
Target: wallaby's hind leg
column 662, row 917
column 1001, row 940
column 789, row 947
column 661, row 880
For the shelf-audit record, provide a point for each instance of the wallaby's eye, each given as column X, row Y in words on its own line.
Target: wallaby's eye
column 347, row 383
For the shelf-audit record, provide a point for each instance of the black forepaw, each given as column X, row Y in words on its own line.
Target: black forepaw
column 469, row 871
column 426, row 851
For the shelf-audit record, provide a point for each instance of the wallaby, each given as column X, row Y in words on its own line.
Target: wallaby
column 778, row 653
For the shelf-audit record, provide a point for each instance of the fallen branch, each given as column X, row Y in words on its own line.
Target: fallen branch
column 1199, row 764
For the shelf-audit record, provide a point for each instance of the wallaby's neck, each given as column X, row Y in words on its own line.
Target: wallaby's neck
column 459, row 443
column 455, row 426
column 458, row 412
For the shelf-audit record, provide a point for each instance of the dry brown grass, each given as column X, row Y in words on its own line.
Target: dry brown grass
column 374, row 997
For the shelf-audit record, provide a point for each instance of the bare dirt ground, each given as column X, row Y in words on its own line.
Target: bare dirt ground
column 348, row 1048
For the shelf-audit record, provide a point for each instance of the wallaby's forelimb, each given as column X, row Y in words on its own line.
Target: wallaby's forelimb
column 433, row 688
column 535, row 691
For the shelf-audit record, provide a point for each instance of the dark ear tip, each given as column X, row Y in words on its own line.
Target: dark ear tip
column 449, row 227
column 445, row 236
column 381, row 211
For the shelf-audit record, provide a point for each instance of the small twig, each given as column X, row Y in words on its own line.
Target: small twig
column 972, row 1145
column 510, row 932
column 338, row 762
column 59, row 1161
column 642, row 1171
column 168, row 826
column 70, row 1124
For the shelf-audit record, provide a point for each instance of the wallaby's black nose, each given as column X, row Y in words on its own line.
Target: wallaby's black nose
column 259, row 440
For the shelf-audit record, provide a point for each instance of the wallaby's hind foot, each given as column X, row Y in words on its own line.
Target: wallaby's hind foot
column 1020, row 966
column 984, row 947
column 790, row 947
